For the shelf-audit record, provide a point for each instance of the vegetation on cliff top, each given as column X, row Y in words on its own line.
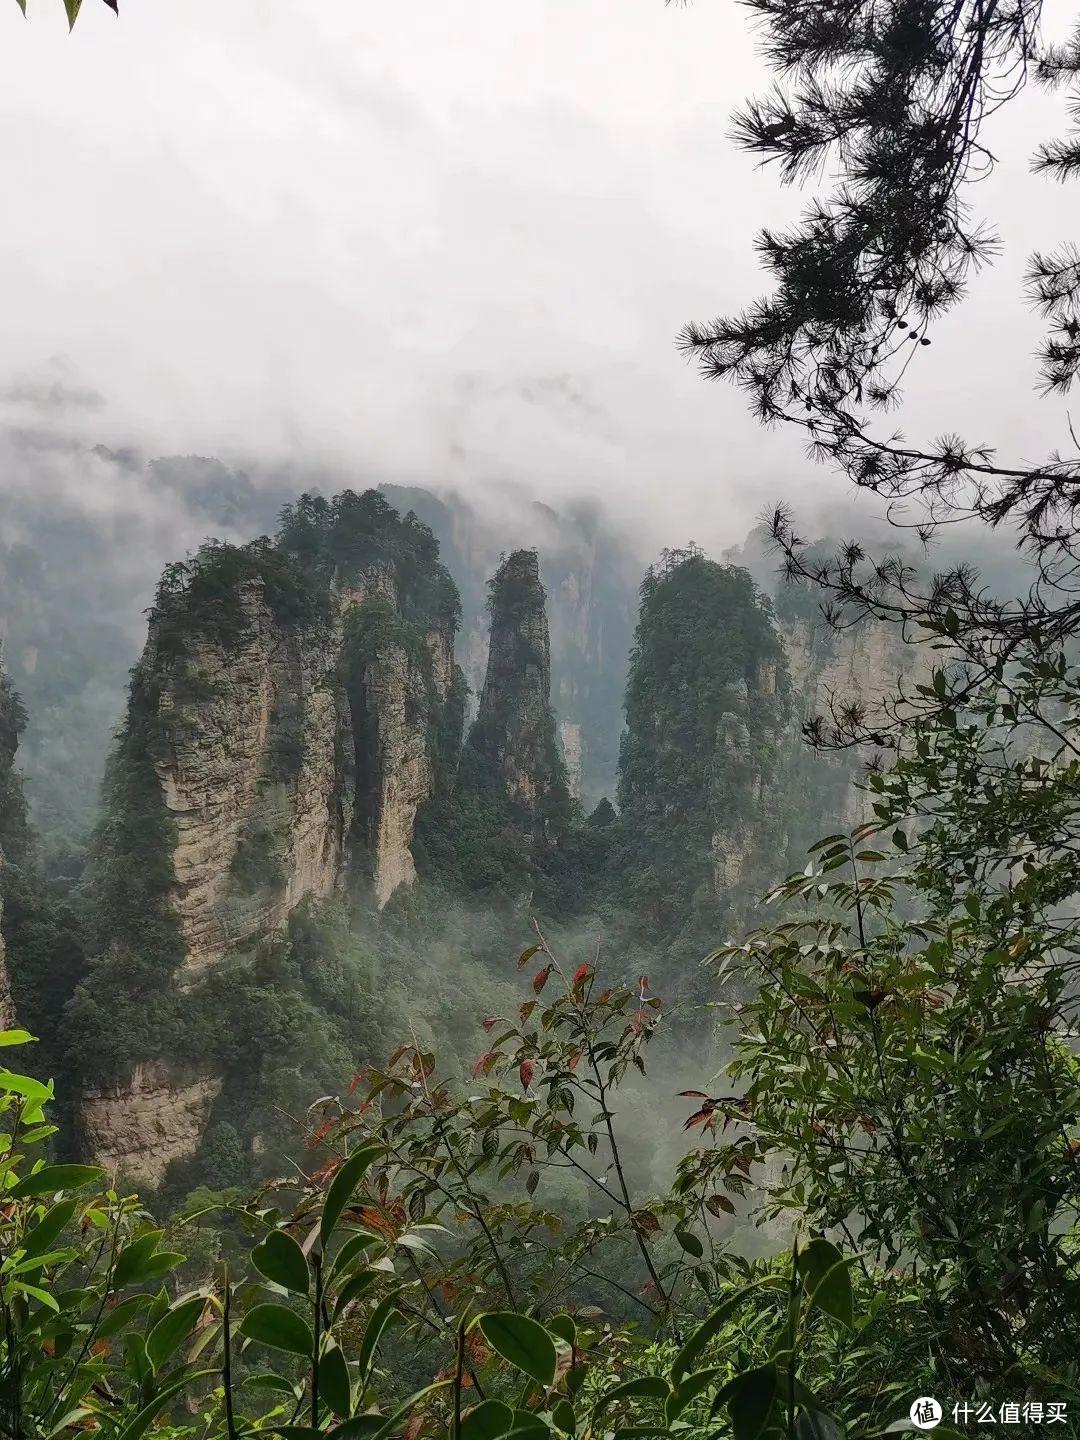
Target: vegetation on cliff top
column 706, row 707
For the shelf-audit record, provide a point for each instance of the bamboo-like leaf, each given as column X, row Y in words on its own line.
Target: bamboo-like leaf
column 342, row 1187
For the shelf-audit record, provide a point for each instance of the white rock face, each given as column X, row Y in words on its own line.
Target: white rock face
column 866, row 663
column 136, row 1131
column 265, row 741
column 570, row 739
column 398, row 756
column 232, row 712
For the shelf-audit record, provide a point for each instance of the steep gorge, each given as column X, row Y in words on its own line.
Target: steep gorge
column 293, row 760
column 293, row 707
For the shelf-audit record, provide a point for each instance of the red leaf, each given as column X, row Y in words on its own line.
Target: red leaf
column 581, row 972
column 717, row 1203
column 489, row 1023
column 527, row 1009
column 525, row 1073
column 644, row 983
column 316, row 1137
column 323, row 1173
column 484, row 1059
column 699, row 1117
column 693, row 1094
column 646, row 1220
column 574, row 1060
column 540, row 979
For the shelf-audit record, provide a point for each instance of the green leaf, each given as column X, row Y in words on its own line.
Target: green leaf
column 281, row 1260
column 749, row 1398
column 488, row 1421
column 280, row 1327
column 689, row 1389
column 160, row 1264
column 117, row 1319
column 22, row 5
column 353, row 1288
column 827, row 1280
column 711, row 1326
column 16, row 1037
column 264, row 1380
column 52, row 1178
column 25, row 1288
column 360, row 1427
column 334, row 1384
column 72, row 7
column 564, row 1418
column 524, row 1342
column 357, row 1244
column 132, row 1260
column 173, row 1329
column 342, row 1187
column 652, row 1386
column 690, row 1243
column 817, row 1425
column 527, row 1426
column 49, row 1226
column 564, row 1327
column 389, row 1426
column 142, row 1421
column 380, row 1318
column 39, row 1262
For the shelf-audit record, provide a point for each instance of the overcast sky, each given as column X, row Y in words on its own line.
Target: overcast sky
column 438, row 241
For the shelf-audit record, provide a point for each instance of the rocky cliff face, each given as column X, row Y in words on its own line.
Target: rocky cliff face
column 137, row 1129
column 514, row 731
column 296, row 703
column 865, row 664
column 707, row 704
column 252, row 774
column 400, row 688
column 11, row 819
column 590, row 573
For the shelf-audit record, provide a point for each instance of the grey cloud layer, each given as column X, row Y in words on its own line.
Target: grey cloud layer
column 439, row 242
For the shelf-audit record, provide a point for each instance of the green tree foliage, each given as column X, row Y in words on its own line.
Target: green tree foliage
column 42, row 933
column 706, row 706
column 348, row 1266
column 129, row 1006
column 909, row 1053
column 500, row 830
column 908, row 1064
